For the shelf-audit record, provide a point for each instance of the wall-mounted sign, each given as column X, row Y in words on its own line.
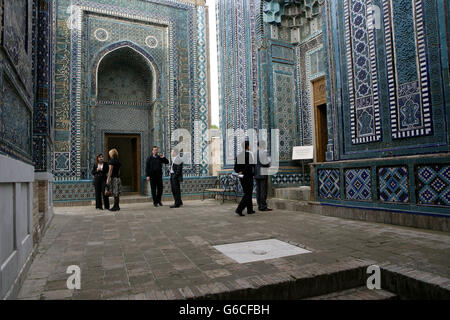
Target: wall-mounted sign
column 303, row 153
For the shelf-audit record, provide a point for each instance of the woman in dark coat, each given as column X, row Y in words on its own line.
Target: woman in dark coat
column 113, row 180
column 100, row 173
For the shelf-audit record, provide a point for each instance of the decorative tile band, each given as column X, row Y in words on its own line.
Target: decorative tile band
column 410, row 102
column 363, row 75
column 83, row 190
column 409, row 184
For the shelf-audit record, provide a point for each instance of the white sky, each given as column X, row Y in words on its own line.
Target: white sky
column 213, row 63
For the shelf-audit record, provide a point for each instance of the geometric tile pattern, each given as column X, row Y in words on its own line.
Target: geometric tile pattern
column 433, row 184
column 15, row 120
column 329, row 184
column 284, row 179
column 202, row 72
column 358, row 184
column 79, row 190
column 409, row 86
column 62, row 161
column 238, row 64
column 285, row 116
column 84, row 190
column 362, row 73
column 393, row 184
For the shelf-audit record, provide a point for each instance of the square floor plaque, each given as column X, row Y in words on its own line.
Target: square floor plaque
column 252, row 251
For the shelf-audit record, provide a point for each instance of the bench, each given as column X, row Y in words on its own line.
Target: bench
column 224, row 184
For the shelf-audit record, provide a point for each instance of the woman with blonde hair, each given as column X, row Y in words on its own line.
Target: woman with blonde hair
column 113, row 181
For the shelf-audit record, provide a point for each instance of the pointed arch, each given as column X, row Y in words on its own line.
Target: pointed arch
column 156, row 83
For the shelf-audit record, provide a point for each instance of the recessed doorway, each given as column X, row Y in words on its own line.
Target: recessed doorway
column 129, row 147
column 320, row 119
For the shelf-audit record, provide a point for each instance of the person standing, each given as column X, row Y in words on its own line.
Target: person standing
column 113, row 180
column 245, row 167
column 100, row 173
column 176, row 177
column 262, row 165
column 154, row 173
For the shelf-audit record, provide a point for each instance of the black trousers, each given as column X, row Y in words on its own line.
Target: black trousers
column 99, row 185
column 246, row 202
column 156, row 183
column 176, row 190
column 261, row 193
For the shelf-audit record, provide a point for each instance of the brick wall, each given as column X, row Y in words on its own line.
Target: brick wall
column 36, row 231
column 40, row 208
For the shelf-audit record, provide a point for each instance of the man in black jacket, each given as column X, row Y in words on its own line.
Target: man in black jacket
column 154, row 173
column 176, row 177
column 261, row 176
column 245, row 167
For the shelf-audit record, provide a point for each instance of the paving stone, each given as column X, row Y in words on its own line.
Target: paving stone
column 159, row 254
column 57, row 294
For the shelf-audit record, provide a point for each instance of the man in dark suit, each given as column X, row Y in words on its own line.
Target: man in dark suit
column 262, row 165
column 176, row 177
column 154, row 173
column 245, row 167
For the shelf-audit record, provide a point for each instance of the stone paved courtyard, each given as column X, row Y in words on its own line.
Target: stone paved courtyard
column 144, row 252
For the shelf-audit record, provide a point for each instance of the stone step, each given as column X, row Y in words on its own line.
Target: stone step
column 289, row 205
column 297, row 193
column 360, row 293
column 305, row 282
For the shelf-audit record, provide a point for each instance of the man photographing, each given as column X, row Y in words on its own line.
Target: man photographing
column 154, row 173
column 176, row 177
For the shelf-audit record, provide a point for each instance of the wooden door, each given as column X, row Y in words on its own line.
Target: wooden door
column 320, row 119
column 130, row 159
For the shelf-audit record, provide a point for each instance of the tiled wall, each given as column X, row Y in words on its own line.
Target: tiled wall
column 170, row 35
column 72, row 191
column 414, row 184
column 388, row 87
column 388, row 90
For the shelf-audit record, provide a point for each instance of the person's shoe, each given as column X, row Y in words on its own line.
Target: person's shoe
column 266, row 210
column 174, row 206
column 251, row 212
column 160, row 204
column 239, row 213
column 156, row 205
column 114, row 209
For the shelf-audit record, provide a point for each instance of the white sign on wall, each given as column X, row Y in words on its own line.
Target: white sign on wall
column 303, row 153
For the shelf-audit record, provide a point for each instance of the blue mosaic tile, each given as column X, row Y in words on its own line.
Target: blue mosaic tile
column 433, row 185
column 358, row 185
column 329, row 184
column 362, row 71
column 393, row 184
column 406, row 53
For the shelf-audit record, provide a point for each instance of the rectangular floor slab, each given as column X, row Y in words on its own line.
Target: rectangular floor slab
column 261, row 250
